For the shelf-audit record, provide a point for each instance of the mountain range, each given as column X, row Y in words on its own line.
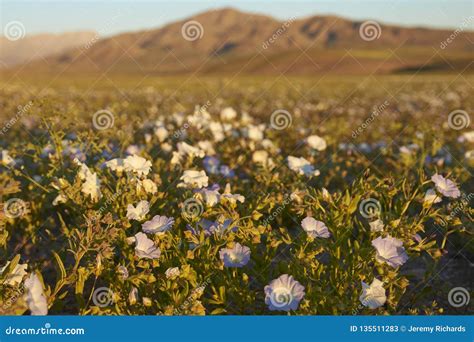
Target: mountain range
column 228, row 41
column 30, row 48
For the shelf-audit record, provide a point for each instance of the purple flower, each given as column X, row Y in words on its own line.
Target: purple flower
column 447, row 187
column 238, row 256
column 226, row 171
column 417, row 238
column 211, row 194
column 373, row 295
column 390, row 250
column 283, row 293
column 211, row 227
column 211, row 164
column 315, row 228
column 145, row 248
column 158, row 224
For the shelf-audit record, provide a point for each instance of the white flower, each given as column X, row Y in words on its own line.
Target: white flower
column 469, row 155
column 59, row 199
column 200, row 118
column 133, row 296
column 158, row 224
column 6, row 159
column 447, row 187
column 193, row 179
column 283, row 293
column 137, row 164
column 376, row 226
column 148, row 186
column 162, row 133
column 178, row 118
column 207, row 147
column 237, row 256
column 255, row 132
column 469, row 136
column 116, row 164
column 176, row 158
column 133, row 149
column 246, row 118
column 145, row 248
column 139, row 212
column 409, row 149
column 190, row 151
column 316, row 142
column 373, row 296
column 166, row 147
column 172, row 272
column 217, row 131
column 315, row 228
column 91, row 187
column 35, row 298
column 210, row 195
column 122, row 272
column 269, row 145
column 232, row 198
column 432, row 197
column 326, row 194
column 261, row 157
column 84, row 170
column 390, row 251
column 228, row 113
column 302, row 166
column 16, row 275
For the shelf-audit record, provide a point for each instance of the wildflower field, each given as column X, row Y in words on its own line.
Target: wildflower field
column 340, row 196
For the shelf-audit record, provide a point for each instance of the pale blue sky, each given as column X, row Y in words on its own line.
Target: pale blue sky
column 111, row 17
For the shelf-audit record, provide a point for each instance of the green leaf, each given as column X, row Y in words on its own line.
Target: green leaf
column 218, row 311
column 60, row 266
column 11, row 266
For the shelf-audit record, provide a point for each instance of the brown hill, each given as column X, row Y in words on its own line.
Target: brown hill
column 38, row 46
column 230, row 41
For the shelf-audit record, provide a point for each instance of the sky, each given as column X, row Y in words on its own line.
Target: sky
column 112, row 17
